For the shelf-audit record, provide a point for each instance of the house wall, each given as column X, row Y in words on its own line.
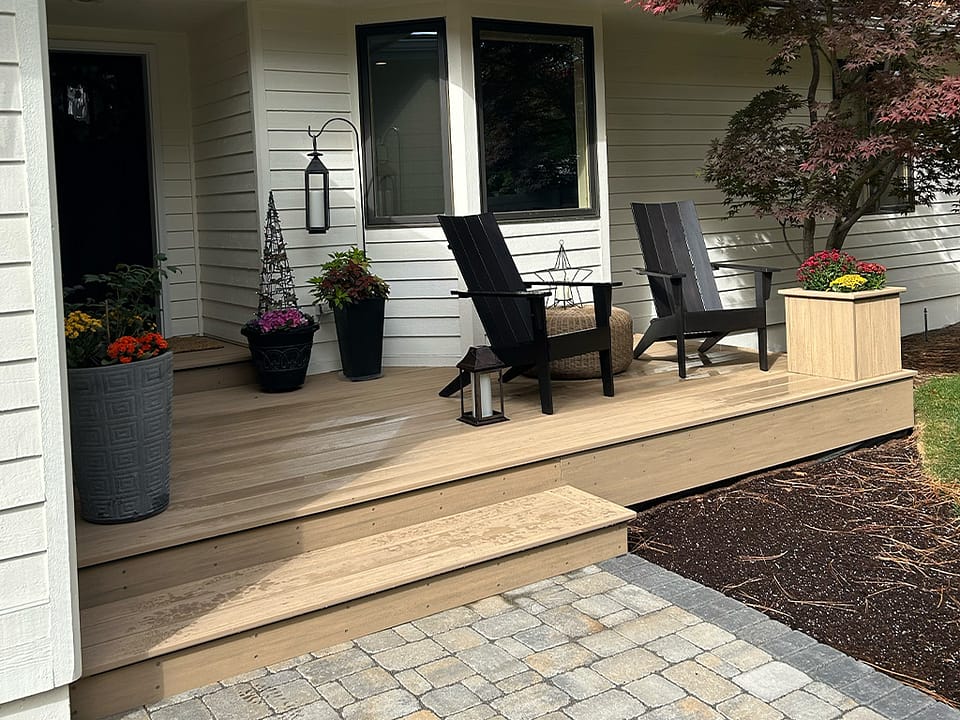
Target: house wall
column 671, row 88
column 305, row 72
column 38, row 616
column 228, row 225
column 168, row 72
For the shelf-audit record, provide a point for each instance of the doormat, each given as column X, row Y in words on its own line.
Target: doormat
column 193, row 343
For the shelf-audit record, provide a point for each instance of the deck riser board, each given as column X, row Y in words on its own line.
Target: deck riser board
column 149, row 681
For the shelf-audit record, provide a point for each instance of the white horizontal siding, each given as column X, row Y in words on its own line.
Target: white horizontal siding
column 224, row 176
column 670, row 90
column 36, row 566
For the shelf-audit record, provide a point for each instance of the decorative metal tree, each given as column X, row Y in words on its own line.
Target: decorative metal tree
column 277, row 291
column 564, row 296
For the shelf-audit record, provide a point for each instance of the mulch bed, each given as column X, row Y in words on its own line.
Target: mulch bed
column 861, row 552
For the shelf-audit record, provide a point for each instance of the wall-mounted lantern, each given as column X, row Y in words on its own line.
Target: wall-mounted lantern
column 482, row 372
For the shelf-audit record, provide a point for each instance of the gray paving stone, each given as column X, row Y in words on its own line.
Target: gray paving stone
column 488, row 607
column 491, row 662
column 747, row 707
column 519, row 682
column 742, row 655
column 902, row 703
column 441, row 622
column 333, row 649
column 139, row 713
column 335, row 695
column 598, row 606
column 740, row 618
column 541, row 637
column 506, row 624
column 784, row 646
column 277, row 678
column 529, row 589
column 289, row 696
column 560, row 659
column 762, row 632
column 844, row 671
column 184, row 696
column 689, row 708
column 445, row 671
column 655, row 690
column 369, row 682
column 570, row 621
column 772, row 681
column 529, row 604
column 719, row 666
column 581, row 683
column 831, row 695
column 413, row 681
column 482, row 688
column 409, row 632
column 192, row 709
column 801, row 705
column 245, row 677
column 449, row 700
column 314, row 711
column 390, row 705
column 813, row 657
column 701, row 682
column 554, row 597
column 656, row 624
column 691, row 596
column 628, row 666
column 673, row 648
column 410, row 655
column 289, row 663
column 862, row 713
column 514, row 647
column 378, row 642
column 531, row 702
column 460, row 639
column 618, row 618
column 938, row 712
column 638, row 599
column 706, row 635
column 333, row 667
column 594, row 584
column 606, row 643
column 869, row 687
column 478, row 712
column 610, row 705
column 237, row 702
column 677, row 587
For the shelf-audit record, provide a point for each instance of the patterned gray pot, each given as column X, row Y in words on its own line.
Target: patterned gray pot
column 121, row 419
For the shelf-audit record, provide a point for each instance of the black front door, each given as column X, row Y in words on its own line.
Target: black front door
column 101, row 143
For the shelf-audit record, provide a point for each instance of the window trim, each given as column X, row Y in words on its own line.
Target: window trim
column 366, row 121
column 585, row 33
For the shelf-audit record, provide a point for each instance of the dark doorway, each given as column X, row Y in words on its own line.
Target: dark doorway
column 101, row 141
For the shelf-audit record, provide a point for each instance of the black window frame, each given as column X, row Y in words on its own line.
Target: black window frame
column 363, row 32
column 585, row 33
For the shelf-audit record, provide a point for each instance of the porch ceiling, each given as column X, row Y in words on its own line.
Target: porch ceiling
column 158, row 15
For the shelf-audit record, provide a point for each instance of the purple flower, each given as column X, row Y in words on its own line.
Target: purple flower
column 274, row 320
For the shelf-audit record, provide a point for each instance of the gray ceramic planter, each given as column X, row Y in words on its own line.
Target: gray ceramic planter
column 121, row 419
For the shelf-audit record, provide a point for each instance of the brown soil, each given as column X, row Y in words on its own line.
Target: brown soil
column 862, row 552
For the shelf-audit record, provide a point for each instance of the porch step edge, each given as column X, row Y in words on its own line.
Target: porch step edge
column 146, row 626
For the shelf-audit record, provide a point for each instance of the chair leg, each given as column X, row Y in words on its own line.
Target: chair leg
column 648, row 339
column 546, row 391
column 708, row 344
column 762, row 348
column 453, row 387
column 681, row 357
column 515, row 372
column 606, row 372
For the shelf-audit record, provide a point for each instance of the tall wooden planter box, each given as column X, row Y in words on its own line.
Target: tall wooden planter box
column 847, row 336
column 121, row 425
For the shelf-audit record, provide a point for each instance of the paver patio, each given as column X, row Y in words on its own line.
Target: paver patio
column 620, row 640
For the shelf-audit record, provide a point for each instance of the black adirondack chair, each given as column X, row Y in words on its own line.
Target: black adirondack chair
column 513, row 315
column 684, row 290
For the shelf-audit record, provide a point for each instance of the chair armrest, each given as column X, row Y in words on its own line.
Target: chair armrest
column 654, row 273
column 741, row 266
column 501, row 293
column 569, row 283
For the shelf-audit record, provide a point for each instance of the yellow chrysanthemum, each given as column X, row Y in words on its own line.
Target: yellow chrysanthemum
column 848, row 283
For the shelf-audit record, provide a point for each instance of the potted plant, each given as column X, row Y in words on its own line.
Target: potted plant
column 120, row 389
column 280, row 335
column 844, row 321
column 357, row 298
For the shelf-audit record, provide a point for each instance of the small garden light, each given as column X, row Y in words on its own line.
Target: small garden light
column 316, row 185
column 482, row 371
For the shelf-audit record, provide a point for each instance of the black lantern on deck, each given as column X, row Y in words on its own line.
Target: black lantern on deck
column 482, row 371
column 316, row 185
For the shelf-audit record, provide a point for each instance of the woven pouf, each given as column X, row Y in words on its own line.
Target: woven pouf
column 564, row 320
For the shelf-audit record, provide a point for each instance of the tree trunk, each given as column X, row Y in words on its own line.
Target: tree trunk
column 809, row 231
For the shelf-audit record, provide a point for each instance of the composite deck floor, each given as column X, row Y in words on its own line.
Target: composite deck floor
column 243, row 459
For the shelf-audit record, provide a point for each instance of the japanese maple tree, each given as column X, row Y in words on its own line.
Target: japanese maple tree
column 804, row 159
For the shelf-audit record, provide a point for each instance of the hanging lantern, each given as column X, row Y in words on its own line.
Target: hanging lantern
column 317, row 190
column 482, row 372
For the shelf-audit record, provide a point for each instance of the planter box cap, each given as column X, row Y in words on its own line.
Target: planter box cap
column 853, row 296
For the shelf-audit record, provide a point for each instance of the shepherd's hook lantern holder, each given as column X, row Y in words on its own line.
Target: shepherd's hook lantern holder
column 482, row 370
column 316, row 185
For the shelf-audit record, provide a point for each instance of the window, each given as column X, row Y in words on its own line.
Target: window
column 535, row 109
column 404, row 116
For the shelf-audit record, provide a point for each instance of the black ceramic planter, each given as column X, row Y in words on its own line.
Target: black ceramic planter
column 282, row 357
column 360, row 335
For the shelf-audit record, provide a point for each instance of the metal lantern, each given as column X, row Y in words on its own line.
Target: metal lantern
column 316, row 185
column 482, row 371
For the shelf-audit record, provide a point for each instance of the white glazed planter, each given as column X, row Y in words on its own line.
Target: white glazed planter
column 847, row 336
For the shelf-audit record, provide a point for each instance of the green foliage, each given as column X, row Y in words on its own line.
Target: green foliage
column 938, row 415
column 346, row 278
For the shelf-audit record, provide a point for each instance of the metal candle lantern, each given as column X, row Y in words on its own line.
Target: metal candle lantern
column 316, row 185
column 482, row 371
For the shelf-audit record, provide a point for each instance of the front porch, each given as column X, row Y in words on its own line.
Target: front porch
column 301, row 520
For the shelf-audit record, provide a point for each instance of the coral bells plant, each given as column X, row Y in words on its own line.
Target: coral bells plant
column 346, row 279
column 837, row 271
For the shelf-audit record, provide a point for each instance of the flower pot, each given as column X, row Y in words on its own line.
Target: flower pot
column 121, row 420
column 360, row 336
column 847, row 336
column 281, row 358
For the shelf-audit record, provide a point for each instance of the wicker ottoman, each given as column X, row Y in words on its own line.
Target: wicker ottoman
column 564, row 320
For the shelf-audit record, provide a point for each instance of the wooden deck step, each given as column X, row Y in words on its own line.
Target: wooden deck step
column 200, row 370
column 154, row 624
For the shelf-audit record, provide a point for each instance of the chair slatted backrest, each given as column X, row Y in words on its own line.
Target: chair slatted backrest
column 672, row 242
column 486, row 265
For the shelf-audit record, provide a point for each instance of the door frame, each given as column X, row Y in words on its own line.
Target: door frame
column 151, row 73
